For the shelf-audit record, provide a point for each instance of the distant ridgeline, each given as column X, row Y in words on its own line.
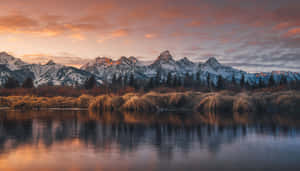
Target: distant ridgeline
column 124, row 72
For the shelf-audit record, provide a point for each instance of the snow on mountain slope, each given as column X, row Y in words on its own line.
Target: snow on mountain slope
column 165, row 62
column 11, row 62
column 56, row 74
column 20, row 75
column 104, row 69
column 49, row 74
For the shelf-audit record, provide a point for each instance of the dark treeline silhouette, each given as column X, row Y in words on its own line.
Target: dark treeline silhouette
column 128, row 83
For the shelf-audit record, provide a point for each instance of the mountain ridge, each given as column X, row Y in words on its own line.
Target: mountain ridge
column 104, row 69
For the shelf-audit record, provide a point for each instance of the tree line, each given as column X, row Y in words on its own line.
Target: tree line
column 189, row 81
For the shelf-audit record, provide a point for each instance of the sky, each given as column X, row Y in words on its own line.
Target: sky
column 253, row 35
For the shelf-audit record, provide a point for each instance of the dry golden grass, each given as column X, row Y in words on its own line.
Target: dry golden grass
column 32, row 102
column 141, row 104
column 243, row 103
column 215, row 102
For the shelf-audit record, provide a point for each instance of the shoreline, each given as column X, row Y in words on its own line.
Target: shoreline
column 204, row 102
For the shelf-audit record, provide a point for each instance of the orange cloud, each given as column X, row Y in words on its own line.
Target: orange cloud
column 45, row 25
column 80, row 27
column 150, row 35
column 195, row 23
column 16, row 23
column 293, row 32
column 172, row 13
column 64, row 60
column 114, row 34
column 77, row 36
column 120, row 33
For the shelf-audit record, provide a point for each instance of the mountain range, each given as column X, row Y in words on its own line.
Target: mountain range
column 104, row 68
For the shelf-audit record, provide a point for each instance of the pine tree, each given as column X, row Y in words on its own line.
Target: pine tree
column 220, row 83
column 208, row 81
column 11, row 83
column 175, row 84
column 187, row 80
column 114, row 79
column 261, row 84
column 151, row 83
column 157, row 78
column 131, row 80
column 233, row 80
column 271, row 81
column 179, row 82
column 125, row 80
column 197, row 83
column 198, row 76
column 169, row 80
column 28, row 83
column 119, row 81
column 90, row 83
column 192, row 80
column 242, row 82
column 283, row 80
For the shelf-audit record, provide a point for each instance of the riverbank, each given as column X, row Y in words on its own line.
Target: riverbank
column 213, row 102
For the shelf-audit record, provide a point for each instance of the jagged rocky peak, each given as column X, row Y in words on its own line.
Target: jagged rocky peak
column 133, row 59
column 50, row 62
column 165, row 56
column 6, row 57
column 10, row 61
column 212, row 61
column 103, row 60
column 4, row 54
column 186, row 61
column 123, row 60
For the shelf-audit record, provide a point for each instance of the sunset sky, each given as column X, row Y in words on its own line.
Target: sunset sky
column 254, row 35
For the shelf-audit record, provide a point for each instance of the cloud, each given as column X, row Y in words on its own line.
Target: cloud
column 293, row 32
column 45, row 25
column 16, row 23
column 77, row 36
column 64, row 60
column 195, row 23
column 113, row 35
column 248, row 29
column 150, row 35
column 120, row 33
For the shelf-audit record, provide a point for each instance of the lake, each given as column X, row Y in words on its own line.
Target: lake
column 80, row 140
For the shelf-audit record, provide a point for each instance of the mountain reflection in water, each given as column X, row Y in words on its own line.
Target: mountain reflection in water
column 69, row 140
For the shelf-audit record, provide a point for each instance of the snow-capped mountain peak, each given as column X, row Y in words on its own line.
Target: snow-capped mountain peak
column 50, row 62
column 104, row 68
column 103, row 60
column 123, row 60
column 165, row 56
column 11, row 62
column 185, row 61
column 133, row 59
column 212, row 61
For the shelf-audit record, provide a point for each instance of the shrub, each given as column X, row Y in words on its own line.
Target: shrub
column 84, row 100
column 243, row 104
column 140, row 104
column 215, row 104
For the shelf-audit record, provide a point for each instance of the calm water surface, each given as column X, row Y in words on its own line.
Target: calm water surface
column 78, row 140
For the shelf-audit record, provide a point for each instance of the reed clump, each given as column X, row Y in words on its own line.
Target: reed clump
column 140, row 104
column 243, row 103
column 223, row 102
column 215, row 103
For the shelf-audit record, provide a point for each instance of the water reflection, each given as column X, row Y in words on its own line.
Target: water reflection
column 164, row 141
